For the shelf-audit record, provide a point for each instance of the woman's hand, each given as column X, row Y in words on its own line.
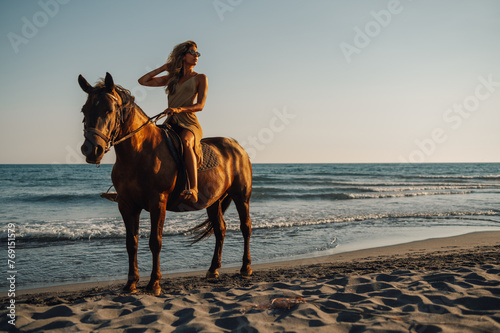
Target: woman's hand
column 170, row 111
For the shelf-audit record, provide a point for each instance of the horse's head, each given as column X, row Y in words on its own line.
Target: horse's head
column 101, row 117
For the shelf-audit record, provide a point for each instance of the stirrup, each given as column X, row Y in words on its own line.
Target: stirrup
column 111, row 196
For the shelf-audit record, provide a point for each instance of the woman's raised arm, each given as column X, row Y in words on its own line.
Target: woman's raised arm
column 151, row 80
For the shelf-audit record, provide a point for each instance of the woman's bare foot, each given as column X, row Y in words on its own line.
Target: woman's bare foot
column 191, row 195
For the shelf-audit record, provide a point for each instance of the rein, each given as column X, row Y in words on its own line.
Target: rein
column 111, row 140
column 152, row 119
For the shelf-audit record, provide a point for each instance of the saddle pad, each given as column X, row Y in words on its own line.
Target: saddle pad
column 210, row 159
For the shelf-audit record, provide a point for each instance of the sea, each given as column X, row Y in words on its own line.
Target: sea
column 65, row 233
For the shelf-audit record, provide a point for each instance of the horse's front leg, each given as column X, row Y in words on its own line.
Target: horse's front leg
column 131, row 220
column 155, row 243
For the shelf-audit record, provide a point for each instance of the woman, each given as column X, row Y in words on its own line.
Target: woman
column 183, row 87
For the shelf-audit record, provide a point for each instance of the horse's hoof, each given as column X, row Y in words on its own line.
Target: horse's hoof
column 154, row 288
column 247, row 274
column 154, row 292
column 212, row 276
column 129, row 290
column 130, row 287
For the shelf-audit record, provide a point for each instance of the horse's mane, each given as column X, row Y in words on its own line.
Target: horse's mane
column 125, row 94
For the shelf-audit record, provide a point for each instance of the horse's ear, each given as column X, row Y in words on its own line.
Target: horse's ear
column 84, row 84
column 108, row 81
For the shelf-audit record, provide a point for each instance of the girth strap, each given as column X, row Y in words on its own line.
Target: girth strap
column 171, row 135
column 180, row 184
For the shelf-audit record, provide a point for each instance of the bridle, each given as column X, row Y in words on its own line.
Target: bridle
column 112, row 139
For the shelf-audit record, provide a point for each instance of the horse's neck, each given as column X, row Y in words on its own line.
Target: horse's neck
column 147, row 135
column 133, row 120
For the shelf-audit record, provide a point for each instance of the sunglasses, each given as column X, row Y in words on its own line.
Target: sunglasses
column 193, row 52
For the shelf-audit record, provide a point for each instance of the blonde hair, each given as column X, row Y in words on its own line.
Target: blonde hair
column 175, row 64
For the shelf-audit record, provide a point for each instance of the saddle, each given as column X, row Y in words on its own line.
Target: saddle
column 174, row 144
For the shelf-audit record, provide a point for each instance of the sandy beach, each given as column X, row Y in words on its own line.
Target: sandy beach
column 436, row 285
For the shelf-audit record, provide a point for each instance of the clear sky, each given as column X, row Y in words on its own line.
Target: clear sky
column 292, row 81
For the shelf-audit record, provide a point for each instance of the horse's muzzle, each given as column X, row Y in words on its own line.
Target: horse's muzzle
column 93, row 152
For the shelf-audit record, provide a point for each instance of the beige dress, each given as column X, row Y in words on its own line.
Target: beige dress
column 185, row 95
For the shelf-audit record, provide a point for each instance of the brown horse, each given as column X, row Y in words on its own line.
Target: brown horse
column 145, row 173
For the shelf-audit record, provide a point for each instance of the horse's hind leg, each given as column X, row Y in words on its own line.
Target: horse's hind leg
column 219, row 227
column 243, row 207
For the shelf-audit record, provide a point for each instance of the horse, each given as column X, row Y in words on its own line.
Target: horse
column 144, row 176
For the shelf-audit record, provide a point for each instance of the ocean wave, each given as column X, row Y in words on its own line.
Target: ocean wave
column 346, row 196
column 46, row 232
column 54, row 197
column 312, row 172
column 460, row 177
column 409, row 184
column 402, row 195
column 376, row 217
column 94, row 229
column 428, row 188
column 367, row 187
column 291, row 182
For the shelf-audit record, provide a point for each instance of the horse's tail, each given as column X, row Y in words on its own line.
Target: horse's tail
column 206, row 229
